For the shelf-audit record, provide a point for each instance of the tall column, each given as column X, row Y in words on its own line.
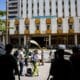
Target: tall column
column 76, row 39
column 3, row 40
column 19, row 40
column 24, row 40
column 27, row 42
column 49, row 40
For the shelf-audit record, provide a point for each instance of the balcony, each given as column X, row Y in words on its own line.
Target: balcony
column 12, row 6
column 71, row 31
column 13, row 1
column 48, row 31
column 59, row 31
column 13, row 9
column 37, row 31
column 26, row 31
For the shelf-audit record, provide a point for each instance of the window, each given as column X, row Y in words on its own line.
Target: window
column 11, row 17
column 50, row 11
column 21, row 12
column 60, row 27
column 32, row 8
column 12, row 12
column 38, row 12
column 26, row 8
column 56, row 8
column 32, row 12
column 69, row 8
column 21, row 7
column 37, row 26
column 50, row 7
column 48, row 26
column 27, row 27
column 44, row 7
column 17, row 28
column 70, row 27
column 79, row 20
column 76, row 7
column 27, row 13
column 44, row 12
column 38, row 8
column 38, row 4
column 63, row 8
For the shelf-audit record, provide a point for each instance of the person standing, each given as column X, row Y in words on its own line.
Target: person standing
column 8, row 65
column 60, row 68
column 21, row 59
column 35, row 64
column 75, row 60
column 50, row 55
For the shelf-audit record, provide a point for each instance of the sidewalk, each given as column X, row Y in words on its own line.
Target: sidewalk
column 43, row 73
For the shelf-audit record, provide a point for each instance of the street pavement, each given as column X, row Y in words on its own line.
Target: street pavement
column 43, row 70
column 43, row 73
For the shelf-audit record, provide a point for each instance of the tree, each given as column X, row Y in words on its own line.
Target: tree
column 2, row 13
column 2, row 22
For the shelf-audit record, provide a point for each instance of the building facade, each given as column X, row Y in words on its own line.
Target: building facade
column 49, row 22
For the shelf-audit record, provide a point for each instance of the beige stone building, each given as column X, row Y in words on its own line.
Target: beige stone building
column 49, row 22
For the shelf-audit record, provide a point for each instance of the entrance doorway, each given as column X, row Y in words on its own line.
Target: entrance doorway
column 40, row 40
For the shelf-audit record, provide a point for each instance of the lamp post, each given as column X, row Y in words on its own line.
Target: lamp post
column 7, row 27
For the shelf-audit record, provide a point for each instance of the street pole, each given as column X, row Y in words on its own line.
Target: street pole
column 7, row 27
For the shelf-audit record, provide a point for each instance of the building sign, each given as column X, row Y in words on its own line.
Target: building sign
column 44, row 16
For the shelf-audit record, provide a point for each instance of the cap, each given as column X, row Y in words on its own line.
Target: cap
column 61, row 46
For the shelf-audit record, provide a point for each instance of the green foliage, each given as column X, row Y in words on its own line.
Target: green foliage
column 2, row 13
column 2, row 22
column 2, row 28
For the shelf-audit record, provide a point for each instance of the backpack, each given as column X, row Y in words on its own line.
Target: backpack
column 29, row 72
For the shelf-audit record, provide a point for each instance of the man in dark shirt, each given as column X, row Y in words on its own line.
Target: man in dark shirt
column 60, row 68
column 8, row 65
column 75, row 60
